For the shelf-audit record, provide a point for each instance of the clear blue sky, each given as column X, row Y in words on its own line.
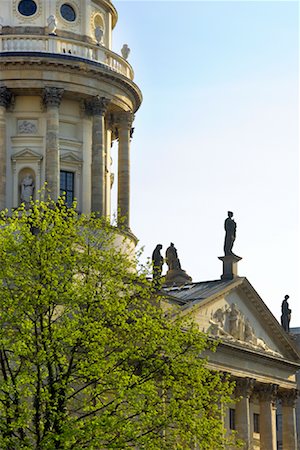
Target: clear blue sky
column 218, row 131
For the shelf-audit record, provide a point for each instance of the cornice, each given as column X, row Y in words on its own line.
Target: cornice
column 95, row 69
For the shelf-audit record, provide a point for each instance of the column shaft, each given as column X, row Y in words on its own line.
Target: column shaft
column 97, row 107
column 289, row 432
column 267, row 416
column 125, row 122
column 98, row 165
column 242, row 410
column 52, row 97
column 5, row 99
column 2, row 157
column 108, row 175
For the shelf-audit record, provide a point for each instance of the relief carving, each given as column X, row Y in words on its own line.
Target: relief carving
column 230, row 323
column 27, row 127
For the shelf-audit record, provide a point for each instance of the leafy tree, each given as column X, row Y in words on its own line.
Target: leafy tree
column 88, row 358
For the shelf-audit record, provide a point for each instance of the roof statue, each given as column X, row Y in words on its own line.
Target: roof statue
column 230, row 233
column 157, row 262
column 285, row 314
column 229, row 259
column 175, row 274
column 125, row 50
column 52, row 24
column 172, row 258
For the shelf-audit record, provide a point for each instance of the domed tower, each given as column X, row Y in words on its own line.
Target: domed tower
column 64, row 97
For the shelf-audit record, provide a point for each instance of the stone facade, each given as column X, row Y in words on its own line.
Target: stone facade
column 254, row 351
column 74, row 98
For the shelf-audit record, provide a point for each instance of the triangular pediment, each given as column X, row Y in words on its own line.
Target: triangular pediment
column 70, row 157
column 233, row 312
column 27, row 154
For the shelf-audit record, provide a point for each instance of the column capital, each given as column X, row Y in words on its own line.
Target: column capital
column 267, row 392
column 288, row 397
column 5, row 96
column 124, row 119
column 244, row 387
column 52, row 96
column 97, row 106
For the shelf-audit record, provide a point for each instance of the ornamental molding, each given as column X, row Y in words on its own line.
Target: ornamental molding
column 71, row 158
column 52, row 96
column 26, row 155
column 100, row 72
column 244, row 387
column 230, row 324
column 268, row 392
column 6, row 97
column 27, row 126
column 124, row 119
column 97, row 106
column 27, row 19
column 97, row 13
column 66, row 24
column 288, row 397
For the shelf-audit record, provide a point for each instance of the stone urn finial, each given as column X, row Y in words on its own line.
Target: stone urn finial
column 125, row 50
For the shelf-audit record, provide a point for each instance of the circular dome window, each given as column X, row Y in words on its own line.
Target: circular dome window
column 27, row 8
column 68, row 12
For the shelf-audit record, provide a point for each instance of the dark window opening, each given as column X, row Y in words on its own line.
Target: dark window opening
column 232, row 419
column 256, row 423
column 27, row 8
column 68, row 12
column 67, row 186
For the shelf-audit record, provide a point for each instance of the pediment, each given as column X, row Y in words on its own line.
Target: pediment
column 70, row 157
column 234, row 313
column 27, row 155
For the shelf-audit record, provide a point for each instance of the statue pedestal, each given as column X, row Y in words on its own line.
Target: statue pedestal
column 177, row 277
column 229, row 266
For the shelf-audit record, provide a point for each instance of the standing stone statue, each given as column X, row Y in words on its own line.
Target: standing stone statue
column 157, row 262
column 99, row 35
column 172, row 258
column 27, row 188
column 285, row 314
column 230, row 233
column 52, row 24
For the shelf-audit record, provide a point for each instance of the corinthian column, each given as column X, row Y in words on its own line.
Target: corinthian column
column 244, row 389
column 52, row 98
column 98, row 107
column 289, row 433
column 267, row 416
column 5, row 99
column 124, row 122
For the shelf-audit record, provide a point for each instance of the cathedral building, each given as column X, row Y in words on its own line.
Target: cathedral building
column 65, row 96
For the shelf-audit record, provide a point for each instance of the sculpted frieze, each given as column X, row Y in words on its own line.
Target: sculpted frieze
column 229, row 323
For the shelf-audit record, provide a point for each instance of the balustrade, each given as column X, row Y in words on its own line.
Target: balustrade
column 55, row 44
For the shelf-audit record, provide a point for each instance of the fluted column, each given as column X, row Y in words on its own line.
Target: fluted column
column 108, row 179
column 244, row 389
column 124, row 122
column 52, row 98
column 288, row 406
column 98, row 107
column 5, row 99
column 267, row 416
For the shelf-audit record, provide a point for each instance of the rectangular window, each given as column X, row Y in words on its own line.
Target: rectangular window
column 67, row 186
column 256, row 423
column 232, row 419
